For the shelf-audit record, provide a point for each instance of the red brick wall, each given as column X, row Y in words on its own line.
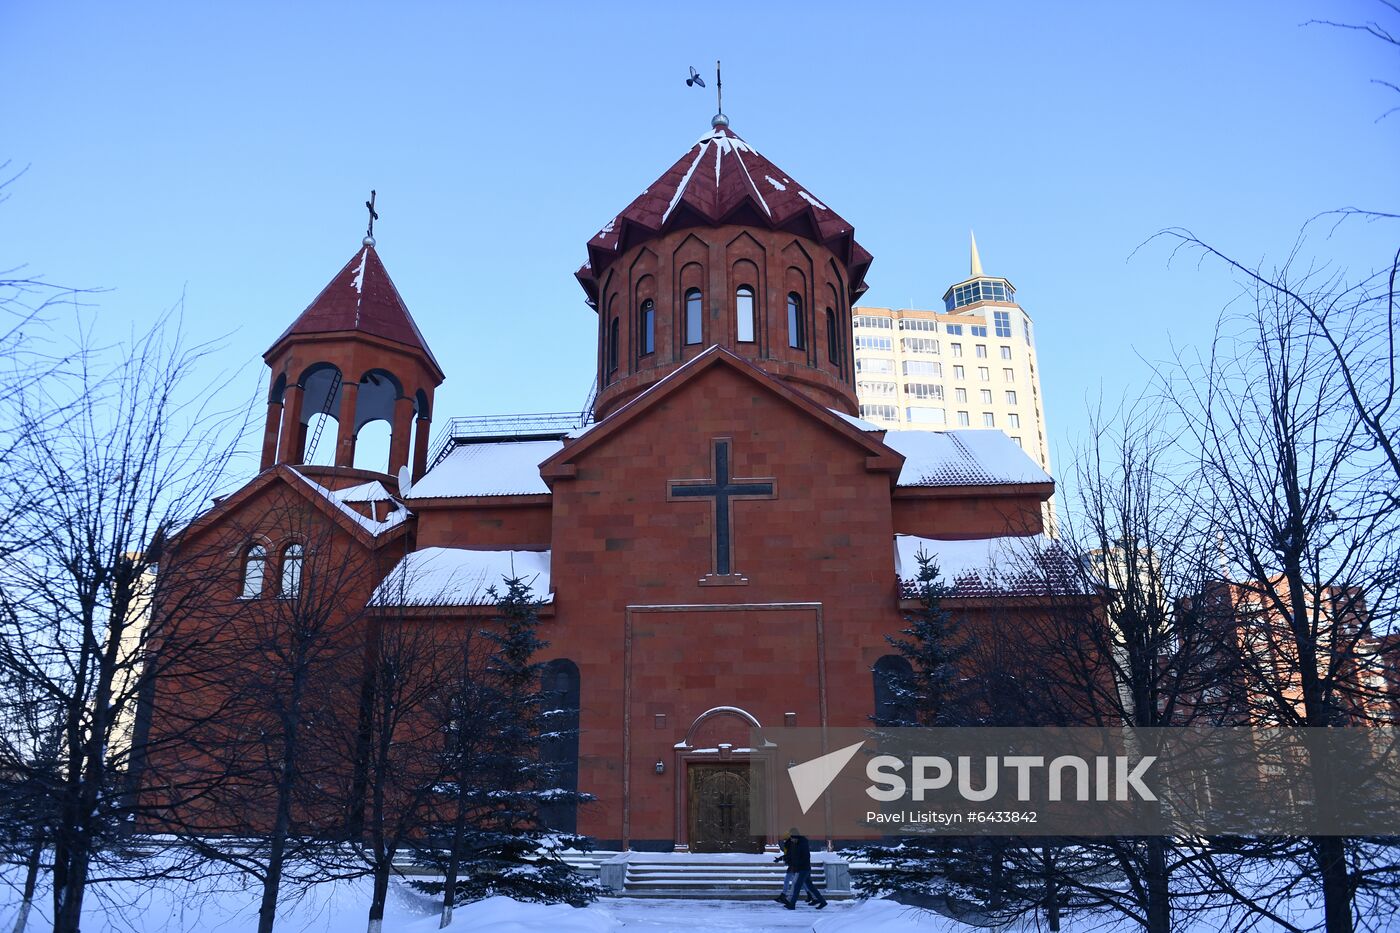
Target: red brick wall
column 617, row 542
column 491, row 523
column 213, row 690
column 717, row 261
column 966, row 515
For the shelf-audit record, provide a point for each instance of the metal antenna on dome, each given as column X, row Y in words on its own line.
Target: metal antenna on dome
column 719, row 119
column 373, row 216
column 719, row 90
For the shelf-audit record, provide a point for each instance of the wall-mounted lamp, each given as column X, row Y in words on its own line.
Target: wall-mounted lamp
column 660, row 766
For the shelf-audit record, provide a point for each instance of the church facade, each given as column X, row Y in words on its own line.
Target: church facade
column 722, row 547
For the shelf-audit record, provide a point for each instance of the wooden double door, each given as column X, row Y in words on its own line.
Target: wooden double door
column 720, row 799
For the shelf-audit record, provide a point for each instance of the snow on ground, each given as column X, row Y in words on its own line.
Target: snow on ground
column 225, row 904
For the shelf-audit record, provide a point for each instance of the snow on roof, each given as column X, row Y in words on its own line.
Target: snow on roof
column 977, row 457
column 338, row 498
column 859, row 423
column 1012, row 565
column 363, row 298
column 504, row 468
column 718, row 176
column 373, row 491
column 449, row 576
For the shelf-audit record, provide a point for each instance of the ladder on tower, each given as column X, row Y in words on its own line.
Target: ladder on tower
column 586, row 416
column 325, row 413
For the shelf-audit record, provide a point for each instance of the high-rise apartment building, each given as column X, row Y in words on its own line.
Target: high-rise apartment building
column 971, row 365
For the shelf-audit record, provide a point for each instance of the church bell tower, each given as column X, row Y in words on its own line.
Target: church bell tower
column 354, row 355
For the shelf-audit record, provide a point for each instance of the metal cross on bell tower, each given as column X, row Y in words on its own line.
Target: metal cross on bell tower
column 373, row 216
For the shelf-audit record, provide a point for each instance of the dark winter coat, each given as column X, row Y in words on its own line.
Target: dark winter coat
column 797, row 854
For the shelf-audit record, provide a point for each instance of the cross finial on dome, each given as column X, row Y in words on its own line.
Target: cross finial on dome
column 373, row 216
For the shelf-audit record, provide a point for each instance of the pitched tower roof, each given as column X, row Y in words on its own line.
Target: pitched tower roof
column 361, row 298
column 723, row 179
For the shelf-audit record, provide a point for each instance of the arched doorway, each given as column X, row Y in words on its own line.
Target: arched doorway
column 719, row 781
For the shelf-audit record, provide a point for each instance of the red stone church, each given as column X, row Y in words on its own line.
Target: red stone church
column 721, row 545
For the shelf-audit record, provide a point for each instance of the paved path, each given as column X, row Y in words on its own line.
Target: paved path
column 637, row 914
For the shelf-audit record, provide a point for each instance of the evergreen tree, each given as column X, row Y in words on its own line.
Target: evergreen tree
column 934, row 691
column 495, row 779
column 958, row 876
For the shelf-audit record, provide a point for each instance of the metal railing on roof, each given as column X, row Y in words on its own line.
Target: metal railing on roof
column 504, row 428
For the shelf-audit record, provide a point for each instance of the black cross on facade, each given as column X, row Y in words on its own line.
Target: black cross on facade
column 723, row 489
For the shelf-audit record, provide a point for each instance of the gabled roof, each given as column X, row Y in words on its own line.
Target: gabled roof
column 328, row 502
column 361, row 298
column 879, row 457
column 362, row 493
column 723, row 179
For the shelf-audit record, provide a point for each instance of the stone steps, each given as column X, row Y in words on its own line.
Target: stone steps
column 713, row 877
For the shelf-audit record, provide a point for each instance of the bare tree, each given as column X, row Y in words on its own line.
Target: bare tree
column 1109, row 635
column 105, row 455
column 1389, row 34
column 1353, row 321
column 286, row 670
column 403, row 740
column 1301, row 498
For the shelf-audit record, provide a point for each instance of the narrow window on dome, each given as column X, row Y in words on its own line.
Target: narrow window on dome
column 292, row 558
column 833, row 346
column 694, row 305
column 648, row 327
column 796, row 339
column 743, row 311
column 614, row 341
column 254, row 569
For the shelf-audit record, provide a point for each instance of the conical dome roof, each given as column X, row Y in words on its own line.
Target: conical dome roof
column 723, row 180
column 361, row 298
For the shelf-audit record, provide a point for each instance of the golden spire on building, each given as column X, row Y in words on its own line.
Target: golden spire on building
column 976, row 260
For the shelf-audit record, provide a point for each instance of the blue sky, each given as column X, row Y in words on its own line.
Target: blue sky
column 223, row 152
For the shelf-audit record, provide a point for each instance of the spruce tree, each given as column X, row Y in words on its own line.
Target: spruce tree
column 934, row 691
column 493, row 840
column 945, row 873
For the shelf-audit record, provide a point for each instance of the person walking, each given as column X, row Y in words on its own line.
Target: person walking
column 790, row 875
column 798, row 856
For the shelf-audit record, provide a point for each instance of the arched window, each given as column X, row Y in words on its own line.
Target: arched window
column 796, row 339
column 614, row 342
column 743, row 312
column 833, row 341
column 559, row 683
column 647, row 327
column 254, row 569
column 694, row 308
column 293, row 556
column 894, row 681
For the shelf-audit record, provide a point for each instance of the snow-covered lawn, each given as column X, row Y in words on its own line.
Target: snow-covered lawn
column 224, row 905
column 217, row 905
